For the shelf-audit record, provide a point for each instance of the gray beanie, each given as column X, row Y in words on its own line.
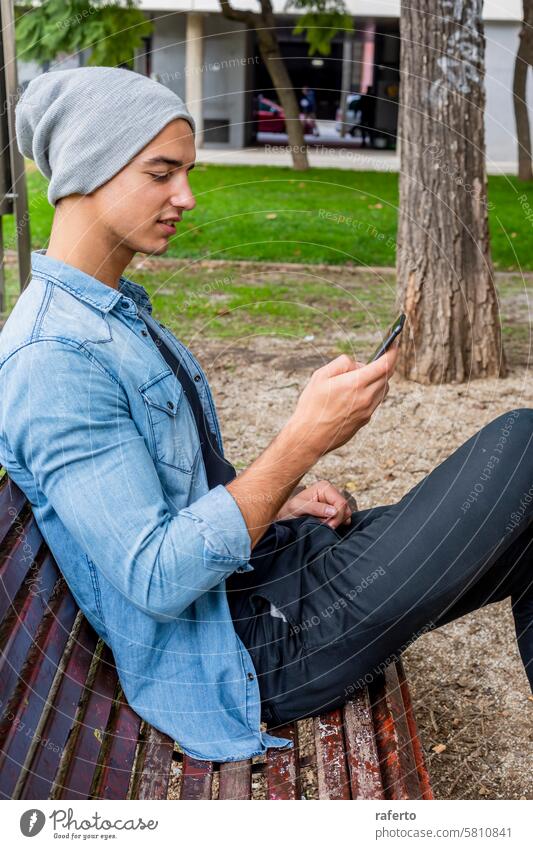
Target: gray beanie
column 84, row 125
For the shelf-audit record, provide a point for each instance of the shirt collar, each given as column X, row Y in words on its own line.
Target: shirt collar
column 84, row 286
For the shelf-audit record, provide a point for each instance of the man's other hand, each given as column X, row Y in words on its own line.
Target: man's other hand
column 321, row 499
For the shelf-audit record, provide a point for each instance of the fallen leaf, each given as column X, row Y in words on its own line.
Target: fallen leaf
column 271, row 215
column 439, row 748
column 224, row 311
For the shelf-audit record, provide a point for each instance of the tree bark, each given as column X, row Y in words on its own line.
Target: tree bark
column 523, row 61
column 445, row 272
column 265, row 27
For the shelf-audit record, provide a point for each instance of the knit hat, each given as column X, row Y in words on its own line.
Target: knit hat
column 82, row 126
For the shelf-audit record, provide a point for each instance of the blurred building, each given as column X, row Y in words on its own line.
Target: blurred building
column 214, row 64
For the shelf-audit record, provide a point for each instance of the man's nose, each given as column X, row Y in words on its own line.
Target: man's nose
column 184, row 199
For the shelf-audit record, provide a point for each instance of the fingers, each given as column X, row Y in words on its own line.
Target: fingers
column 331, row 495
column 340, row 365
column 369, row 373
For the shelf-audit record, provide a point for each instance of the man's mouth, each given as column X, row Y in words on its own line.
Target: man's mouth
column 168, row 225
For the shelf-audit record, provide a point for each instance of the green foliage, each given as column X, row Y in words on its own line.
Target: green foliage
column 321, row 20
column 113, row 31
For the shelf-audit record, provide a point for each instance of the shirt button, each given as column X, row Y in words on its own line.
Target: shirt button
column 197, row 377
column 251, row 676
column 125, row 304
column 170, row 405
column 144, row 332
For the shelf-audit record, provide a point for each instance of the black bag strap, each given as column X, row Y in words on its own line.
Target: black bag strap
column 218, row 469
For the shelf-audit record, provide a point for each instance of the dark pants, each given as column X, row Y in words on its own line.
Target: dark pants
column 354, row 598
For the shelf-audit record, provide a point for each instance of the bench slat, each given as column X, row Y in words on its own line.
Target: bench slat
column 283, row 779
column 84, row 757
column 235, row 780
column 152, row 772
column 398, row 767
column 62, row 711
column 34, row 686
column 12, row 500
column 120, row 753
column 361, row 751
column 23, row 628
column 423, row 774
column 17, row 563
column 333, row 781
column 197, row 779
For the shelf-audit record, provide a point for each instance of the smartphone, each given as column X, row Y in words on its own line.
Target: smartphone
column 394, row 331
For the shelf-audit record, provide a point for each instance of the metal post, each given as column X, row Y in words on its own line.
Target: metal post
column 347, row 50
column 17, row 192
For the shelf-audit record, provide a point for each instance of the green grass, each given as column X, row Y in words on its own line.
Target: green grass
column 349, row 308
column 231, row 302
column 276, row 215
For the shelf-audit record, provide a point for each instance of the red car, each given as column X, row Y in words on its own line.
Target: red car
column 270, row 117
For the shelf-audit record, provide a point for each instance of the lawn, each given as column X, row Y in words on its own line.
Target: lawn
column 325, row 216
column 351, row 308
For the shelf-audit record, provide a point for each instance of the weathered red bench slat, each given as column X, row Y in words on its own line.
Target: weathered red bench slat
column 22, row 627
column 423, row 775
column 361, row 750
column 12, row 501
column 88, row 741
column 154, row 761
column 15, row 565
column 283, row 773
column 397, row 762
column 197, row 778
column 235, row 780
column 66, row 731
column 60, row 712
column 333, row 781
column 34, row 685
column 122, row 738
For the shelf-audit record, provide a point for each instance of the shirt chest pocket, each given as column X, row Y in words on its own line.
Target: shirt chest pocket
column 172, row 429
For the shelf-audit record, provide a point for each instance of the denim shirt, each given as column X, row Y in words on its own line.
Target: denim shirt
column 97, row 432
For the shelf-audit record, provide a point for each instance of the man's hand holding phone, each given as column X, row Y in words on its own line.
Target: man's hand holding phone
column 342, row 396
column 338, row 400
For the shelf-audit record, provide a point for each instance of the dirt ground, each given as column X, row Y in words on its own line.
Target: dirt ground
column 468, row 685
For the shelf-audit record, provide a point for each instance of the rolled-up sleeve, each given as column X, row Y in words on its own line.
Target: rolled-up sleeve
column 221, row 523
column 73, row 430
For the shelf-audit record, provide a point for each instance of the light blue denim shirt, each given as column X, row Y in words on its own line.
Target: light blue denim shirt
column 96, row 430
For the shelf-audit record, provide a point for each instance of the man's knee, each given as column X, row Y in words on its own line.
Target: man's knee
column 521, row 426
column 513, row 428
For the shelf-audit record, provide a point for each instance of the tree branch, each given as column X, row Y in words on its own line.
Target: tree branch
column 250, row 18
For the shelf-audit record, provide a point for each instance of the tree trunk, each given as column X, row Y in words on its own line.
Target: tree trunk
column 445, row 273
column 523, row 61
column 264, row 24
column 271, row 56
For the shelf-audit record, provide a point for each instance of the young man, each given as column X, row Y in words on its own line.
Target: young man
column 226, row 603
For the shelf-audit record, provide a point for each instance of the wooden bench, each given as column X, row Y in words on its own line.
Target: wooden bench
column 66, row 731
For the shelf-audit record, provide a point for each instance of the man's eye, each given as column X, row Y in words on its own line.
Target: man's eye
column 159, row 177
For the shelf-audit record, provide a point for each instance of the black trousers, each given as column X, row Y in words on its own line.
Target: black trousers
column 350, row 600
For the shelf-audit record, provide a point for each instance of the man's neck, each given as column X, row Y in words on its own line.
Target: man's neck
column 93, row 252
